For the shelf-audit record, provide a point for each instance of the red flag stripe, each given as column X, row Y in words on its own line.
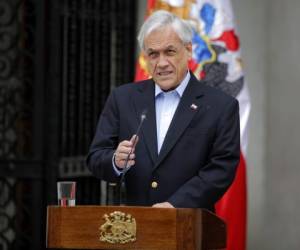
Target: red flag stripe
column 233, row 210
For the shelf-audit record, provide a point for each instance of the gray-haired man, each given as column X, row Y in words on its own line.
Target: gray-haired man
column 188, row 149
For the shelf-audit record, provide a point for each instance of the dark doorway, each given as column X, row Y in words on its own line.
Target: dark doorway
column 59, row 60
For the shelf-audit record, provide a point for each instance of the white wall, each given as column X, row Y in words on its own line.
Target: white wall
column 283, row 137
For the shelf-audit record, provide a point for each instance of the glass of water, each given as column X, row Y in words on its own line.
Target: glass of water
column 66, row 193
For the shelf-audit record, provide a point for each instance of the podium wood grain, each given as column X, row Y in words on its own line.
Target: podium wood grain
column 157, row 228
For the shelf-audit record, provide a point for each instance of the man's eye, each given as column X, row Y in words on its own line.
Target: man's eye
column 152, row 54
column 171, row 52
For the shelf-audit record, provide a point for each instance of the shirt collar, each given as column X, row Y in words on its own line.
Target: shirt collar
column 180, row 89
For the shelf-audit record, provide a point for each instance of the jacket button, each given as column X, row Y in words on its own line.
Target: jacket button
column 154, row 184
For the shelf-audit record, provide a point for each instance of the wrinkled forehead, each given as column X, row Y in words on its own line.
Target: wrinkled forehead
column 161, row 38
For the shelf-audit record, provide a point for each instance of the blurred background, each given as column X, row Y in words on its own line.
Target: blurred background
column 59, row 59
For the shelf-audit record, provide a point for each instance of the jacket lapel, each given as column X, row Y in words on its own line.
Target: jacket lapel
column 188, row 106
column 144, row 100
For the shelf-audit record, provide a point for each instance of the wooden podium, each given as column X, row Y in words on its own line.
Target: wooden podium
column 95, row 227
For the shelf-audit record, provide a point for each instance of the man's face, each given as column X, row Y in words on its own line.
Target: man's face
column 167, row 57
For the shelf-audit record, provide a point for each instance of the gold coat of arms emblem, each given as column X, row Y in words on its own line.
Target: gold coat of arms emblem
column 118, row 228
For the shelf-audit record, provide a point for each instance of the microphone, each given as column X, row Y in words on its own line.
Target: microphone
column 126, row 167
column 143, row 117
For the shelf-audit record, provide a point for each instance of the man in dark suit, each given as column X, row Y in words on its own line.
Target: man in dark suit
column 188, row 149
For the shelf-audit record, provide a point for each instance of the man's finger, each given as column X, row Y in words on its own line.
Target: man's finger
column 163, row 205
column 126, row 144
column 123, row 156
column 121, row 164
column 123, row 150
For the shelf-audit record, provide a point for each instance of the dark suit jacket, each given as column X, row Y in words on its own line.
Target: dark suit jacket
column 198, row 159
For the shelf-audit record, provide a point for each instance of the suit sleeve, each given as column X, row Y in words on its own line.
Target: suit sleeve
column 105, row 142
column 213, row 179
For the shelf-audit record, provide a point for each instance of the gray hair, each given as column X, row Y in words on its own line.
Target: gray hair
column 162, row 18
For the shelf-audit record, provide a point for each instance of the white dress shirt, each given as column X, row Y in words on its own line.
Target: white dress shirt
column 165, row 105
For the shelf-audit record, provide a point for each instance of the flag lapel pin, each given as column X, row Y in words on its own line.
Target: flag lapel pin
column 194, row 107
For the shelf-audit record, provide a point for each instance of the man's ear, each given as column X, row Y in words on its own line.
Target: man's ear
column 189, row 48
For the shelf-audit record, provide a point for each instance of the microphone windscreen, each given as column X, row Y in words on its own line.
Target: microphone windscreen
column 144, row 114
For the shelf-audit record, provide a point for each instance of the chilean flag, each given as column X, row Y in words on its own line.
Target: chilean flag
column 216, row 58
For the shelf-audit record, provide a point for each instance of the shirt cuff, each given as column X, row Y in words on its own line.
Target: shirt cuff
column 117, row 170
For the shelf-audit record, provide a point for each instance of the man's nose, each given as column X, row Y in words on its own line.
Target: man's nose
column 162, row 61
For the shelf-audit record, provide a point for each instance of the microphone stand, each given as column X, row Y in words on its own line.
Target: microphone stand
column 122, row 185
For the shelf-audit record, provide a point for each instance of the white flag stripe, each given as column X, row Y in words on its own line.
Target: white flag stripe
column 245, row 107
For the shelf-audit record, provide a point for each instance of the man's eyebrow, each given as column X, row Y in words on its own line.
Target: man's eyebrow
column 166, row 48
column 150, row 50
column 170, row 47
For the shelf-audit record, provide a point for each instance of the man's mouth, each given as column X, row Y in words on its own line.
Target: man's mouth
column 165, row 73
